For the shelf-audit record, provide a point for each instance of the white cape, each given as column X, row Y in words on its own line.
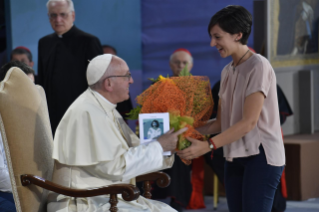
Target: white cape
column 93, row 147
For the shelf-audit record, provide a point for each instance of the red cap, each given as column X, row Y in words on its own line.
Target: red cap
column 182, row 50
column 22, row 47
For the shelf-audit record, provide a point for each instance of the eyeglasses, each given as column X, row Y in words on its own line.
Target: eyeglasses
column 53, row 16
column 128, row 76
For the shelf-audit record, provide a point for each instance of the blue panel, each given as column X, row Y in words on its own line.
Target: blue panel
column 29, row 22
column 115, row 22
column 7, row 30
column 135, row 90
column 168, row 25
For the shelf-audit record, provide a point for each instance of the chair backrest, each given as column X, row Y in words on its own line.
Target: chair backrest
column 27, row 137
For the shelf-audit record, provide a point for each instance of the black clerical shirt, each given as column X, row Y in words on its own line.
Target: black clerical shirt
column 62, row 64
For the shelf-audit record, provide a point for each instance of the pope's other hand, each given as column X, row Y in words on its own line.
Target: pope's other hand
column 169, row 140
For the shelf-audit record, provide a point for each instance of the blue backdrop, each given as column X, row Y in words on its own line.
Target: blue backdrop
column 168, row 25
column 145, row 32
column 114, row 22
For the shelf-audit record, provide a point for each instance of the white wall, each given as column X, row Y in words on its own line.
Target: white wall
column 287, row 78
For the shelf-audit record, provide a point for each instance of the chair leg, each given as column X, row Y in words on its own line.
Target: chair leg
column 113, row 201
column 147, row 189
column 215, row 191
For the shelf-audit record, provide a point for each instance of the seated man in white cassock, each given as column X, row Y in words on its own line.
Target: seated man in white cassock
column 94, row 147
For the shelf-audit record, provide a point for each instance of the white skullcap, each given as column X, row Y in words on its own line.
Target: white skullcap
column 97, row 68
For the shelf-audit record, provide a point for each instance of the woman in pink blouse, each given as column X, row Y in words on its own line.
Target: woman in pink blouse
column 247, row 117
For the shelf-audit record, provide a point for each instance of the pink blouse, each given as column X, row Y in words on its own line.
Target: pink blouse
column 253, row 75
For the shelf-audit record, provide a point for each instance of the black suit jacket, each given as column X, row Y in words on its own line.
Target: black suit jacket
column 62, row 64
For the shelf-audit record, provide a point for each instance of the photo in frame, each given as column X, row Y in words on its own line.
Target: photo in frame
column 293, row 27
column 152, row 126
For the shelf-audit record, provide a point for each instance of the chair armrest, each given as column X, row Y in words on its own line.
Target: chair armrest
column 162, row 179
column 129, row 192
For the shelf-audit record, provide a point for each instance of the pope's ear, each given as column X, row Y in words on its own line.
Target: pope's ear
column 107, row 84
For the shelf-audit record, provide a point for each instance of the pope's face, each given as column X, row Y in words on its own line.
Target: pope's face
column 121, row 84
column 61, row 18
column 179, row 61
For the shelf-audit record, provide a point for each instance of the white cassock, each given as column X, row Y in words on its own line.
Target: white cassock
column 94, row 147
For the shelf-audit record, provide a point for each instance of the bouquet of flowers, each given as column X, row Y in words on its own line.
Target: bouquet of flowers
column 187, row 98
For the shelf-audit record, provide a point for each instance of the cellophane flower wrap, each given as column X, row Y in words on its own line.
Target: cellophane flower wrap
column 188, row 99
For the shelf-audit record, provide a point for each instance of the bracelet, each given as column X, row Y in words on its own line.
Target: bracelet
column 211, row 142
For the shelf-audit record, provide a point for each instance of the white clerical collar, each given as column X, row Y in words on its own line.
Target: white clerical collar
column 104, row 99
column 61, row 36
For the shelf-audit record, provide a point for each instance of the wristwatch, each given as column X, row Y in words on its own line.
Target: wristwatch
column 211, row 144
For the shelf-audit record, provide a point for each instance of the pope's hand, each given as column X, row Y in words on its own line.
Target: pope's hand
column 169, row 140
column 196, row 149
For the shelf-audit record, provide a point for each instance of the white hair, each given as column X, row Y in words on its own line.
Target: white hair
column 70, row 4
column 171, row 57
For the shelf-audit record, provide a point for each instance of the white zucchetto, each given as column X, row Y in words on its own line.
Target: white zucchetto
column 97, row 68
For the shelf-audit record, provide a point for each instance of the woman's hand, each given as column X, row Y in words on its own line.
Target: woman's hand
column 197, row 149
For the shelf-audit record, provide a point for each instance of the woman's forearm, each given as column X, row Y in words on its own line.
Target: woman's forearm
column 252, row 108
column 211, row 127
column 234, row 133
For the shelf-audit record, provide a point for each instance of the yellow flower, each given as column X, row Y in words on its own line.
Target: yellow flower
column 161, row 77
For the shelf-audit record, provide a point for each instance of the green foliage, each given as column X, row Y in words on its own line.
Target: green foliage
column 153, row 80
column 174, row 122
column 185, row 72
column 157, row 79
column 178, row 122
column 183, row 143
column 187, row 119
column 133, row 114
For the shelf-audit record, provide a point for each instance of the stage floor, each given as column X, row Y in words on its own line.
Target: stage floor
column 311, row 205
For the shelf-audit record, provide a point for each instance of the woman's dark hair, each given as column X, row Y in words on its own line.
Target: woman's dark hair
column 233, row 19
column 156, row 122
column 5, row 68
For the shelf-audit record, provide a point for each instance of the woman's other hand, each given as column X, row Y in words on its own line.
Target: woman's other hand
column 196, row 149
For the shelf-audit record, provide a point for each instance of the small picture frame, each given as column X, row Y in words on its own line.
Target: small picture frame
column 292, row 33
column 152, row 126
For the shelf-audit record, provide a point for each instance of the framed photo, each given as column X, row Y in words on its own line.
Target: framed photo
column 153, row 125
column 292, row 27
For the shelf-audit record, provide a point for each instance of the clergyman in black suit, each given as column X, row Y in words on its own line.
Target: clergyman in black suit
column 63, row 59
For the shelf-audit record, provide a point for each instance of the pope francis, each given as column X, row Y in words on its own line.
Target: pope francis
column 94, row 147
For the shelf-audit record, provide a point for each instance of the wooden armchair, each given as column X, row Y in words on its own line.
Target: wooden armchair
column 27, row 139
